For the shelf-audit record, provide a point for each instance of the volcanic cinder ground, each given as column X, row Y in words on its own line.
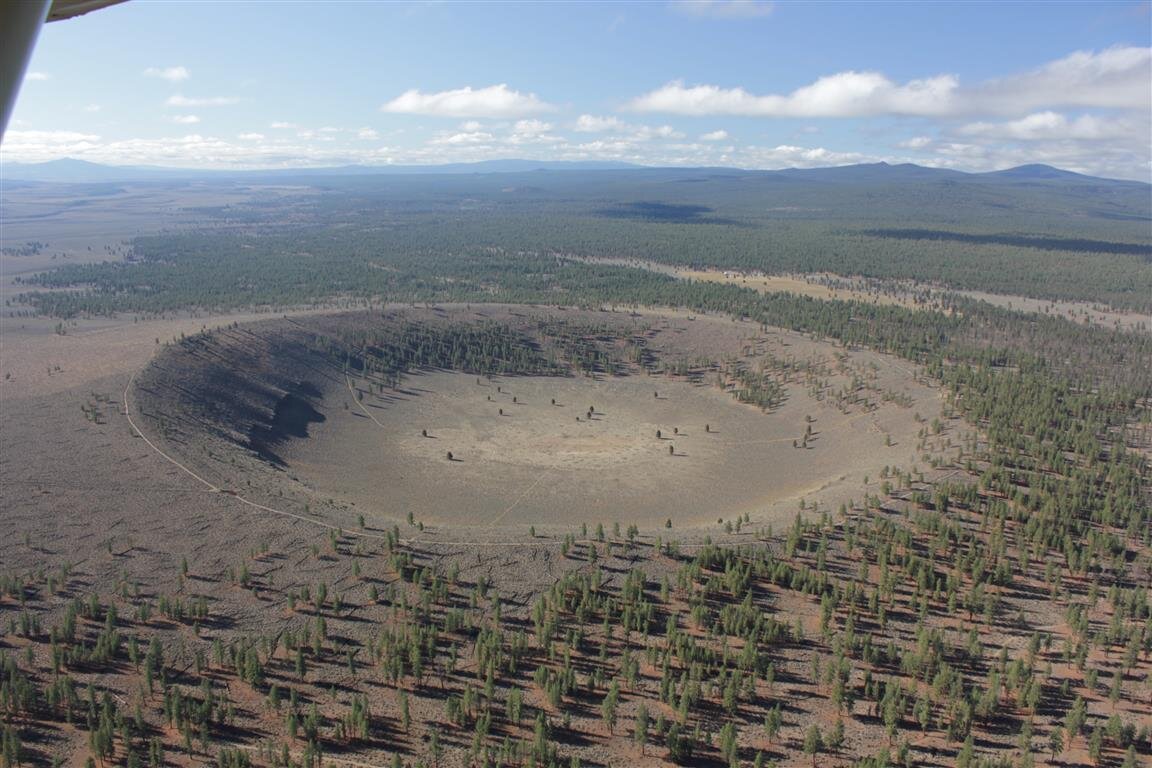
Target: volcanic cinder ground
column 89, row 492
column 525, row 451
column 520, row 459
column 533, row 465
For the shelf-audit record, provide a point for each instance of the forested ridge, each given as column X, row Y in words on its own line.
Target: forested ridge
column 1084, row 240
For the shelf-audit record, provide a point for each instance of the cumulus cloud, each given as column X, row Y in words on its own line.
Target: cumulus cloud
column 494, row 101
column 279, row 124
column 37, row 77
column 463, row 138
column 472, row 134
column 531, row 127
column 1108, row 159
column 916, row 142
column 185, row 119
column 1119, row 77
column 718, row 135
column 724, row 9
column 179, row 100
column 614, row 125
column 367, row 134
column 847, row 94
column 32, row 146
column 49, row 137
column 1052, row 125
column 190, row 151
column 171, row 74
column 532, row 132
column 251, row 137
column 595, row 124
column 789, row 156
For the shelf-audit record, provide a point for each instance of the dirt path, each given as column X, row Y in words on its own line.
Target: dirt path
column 827, row 286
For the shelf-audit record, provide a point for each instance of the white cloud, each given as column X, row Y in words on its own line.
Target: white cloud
column 37, row 77
column 1052, row 125
column 718, row 135
column 49, row 137
column 185, row 119
column 251, row 137
column 191, row 151
column 171, row 74
column 724, row 9
column 93, row 108
column 613, row 125
column 39, row 146
column 916, row 142
column 280, row 124
column 494, row 101
column 1118, row 78
column 179, row 100
column 531, row 127
column 1108, row 159
column 595, row 124
column 532, row 132
column 368, row 134
column 463, row 137
column 471, row 126
column 846, row 94
column 788, row 156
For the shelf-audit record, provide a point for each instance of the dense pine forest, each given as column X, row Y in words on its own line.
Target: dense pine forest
column 1064, row 239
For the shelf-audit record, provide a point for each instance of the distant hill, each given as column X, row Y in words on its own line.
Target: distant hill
column 875, row 172
column 71, row 170
column 1038, row 172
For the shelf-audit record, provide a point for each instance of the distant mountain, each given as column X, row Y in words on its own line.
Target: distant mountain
column 868, row 173
column 71, row 170
column 1037, row 172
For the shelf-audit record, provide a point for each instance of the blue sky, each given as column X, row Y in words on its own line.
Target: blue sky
column 968, row 85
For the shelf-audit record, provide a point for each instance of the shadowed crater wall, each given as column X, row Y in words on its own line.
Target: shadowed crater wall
column 255, row 386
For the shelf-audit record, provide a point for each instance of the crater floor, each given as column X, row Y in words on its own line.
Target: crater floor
column 549, row 464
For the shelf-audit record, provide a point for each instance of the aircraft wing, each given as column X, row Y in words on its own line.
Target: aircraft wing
column 66, row 9
column 20, row 22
